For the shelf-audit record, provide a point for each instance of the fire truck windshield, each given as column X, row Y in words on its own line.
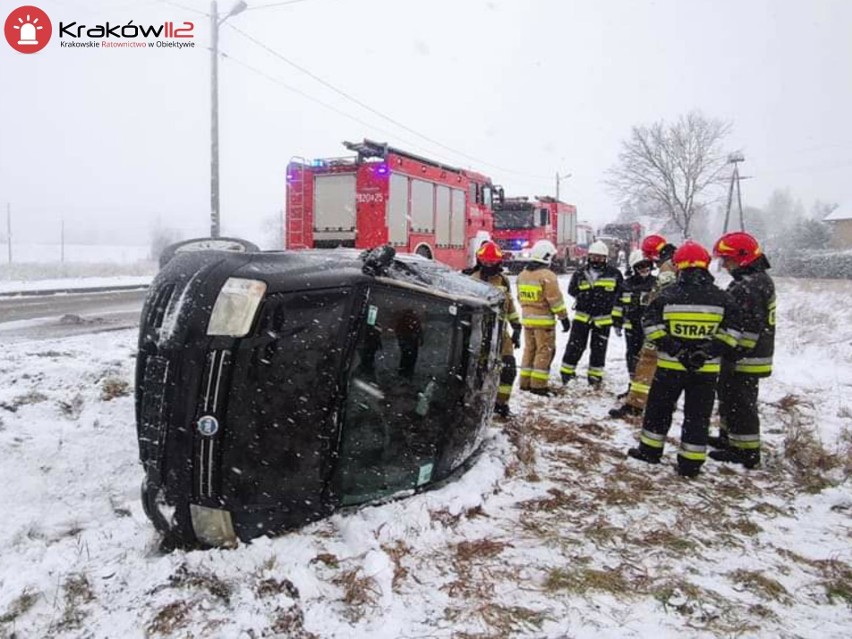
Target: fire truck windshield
column 514, row 219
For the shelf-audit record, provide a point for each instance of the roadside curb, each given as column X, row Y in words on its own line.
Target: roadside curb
column 72, row 291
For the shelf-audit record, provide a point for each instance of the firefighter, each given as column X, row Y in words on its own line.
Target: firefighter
column 692, row 323
column 627, row 313
column 656, row 249
column 595, row 288
column 489, row 268
column 541, row 305
column 754, row 291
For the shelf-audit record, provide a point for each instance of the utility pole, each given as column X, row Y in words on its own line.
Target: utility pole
column 9, row 229
column 559, row 178
column 214, row 120
column 215, row 23
column 735, row 159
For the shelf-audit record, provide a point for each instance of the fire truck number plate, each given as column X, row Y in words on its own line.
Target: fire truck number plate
column 364, row 198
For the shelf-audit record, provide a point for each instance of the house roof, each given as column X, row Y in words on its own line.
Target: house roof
column 837, row 215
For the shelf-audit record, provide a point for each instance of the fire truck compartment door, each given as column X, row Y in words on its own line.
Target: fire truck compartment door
column 334, row 207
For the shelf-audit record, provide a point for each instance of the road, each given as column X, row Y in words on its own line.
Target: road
column 51, row 316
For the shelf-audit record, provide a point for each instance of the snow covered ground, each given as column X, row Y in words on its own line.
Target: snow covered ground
column 553, row 533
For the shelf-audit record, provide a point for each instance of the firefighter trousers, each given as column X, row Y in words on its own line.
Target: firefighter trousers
column 643, row 376
column 633, row 339
column 580, row 332
column 738, row 407
column 699, row 391
column 539, row 349
column 508, row 373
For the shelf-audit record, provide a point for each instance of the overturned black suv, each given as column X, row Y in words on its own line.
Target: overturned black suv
column 275, row 387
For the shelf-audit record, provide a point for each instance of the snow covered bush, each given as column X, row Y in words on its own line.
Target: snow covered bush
column 813, row 263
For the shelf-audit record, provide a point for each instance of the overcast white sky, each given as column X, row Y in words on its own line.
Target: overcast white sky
column 115, row 139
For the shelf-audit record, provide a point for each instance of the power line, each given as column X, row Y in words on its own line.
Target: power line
column 325, row 105
column 376, row 111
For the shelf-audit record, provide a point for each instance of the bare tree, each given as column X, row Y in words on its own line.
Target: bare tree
column 672, row 165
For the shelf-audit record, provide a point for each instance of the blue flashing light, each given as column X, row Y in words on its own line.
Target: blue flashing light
column 317, row 163
column 382, row 169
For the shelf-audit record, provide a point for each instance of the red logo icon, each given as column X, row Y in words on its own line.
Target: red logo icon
column 28, row 29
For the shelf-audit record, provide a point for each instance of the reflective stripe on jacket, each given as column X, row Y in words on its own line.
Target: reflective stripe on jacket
column 595, row 296
column 754, row 292
column 693, row 315
column 541, row 300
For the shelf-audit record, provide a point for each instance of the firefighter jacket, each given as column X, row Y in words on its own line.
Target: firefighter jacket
column 632, row 301
column 754, row 292
column 693, row 317
column 541, row 300
column 595, row 294
column 510, row 314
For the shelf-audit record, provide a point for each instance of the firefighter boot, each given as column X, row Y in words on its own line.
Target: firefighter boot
column 567, row 377
column 721, row 442
column 625, row 410
column 749, row 458
column 643, row 454
column 688, row 467
column 502, row 410
column 544, row 392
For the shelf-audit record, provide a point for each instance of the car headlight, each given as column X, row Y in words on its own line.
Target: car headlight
column 235, row 307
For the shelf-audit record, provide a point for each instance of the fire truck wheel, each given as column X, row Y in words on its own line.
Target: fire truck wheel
column 424, row 251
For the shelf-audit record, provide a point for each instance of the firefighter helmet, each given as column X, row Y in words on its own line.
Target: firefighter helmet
column 489, row 254
column 651, row 246
column 543, row 251
column 637, row 257
column 738, row 246
column 691, row 255
column 599, row 248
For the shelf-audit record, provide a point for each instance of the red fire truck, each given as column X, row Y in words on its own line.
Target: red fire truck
column 621, row 239
column 520, row 222
column 387, row 196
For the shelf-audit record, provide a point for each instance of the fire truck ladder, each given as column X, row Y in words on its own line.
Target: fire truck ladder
column 295, row 227
column 370, row 149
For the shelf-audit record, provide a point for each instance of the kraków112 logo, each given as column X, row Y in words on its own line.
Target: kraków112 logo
column 28, row 29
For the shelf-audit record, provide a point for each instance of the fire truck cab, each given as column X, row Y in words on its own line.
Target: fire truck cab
column 384, row 195
column 519, row 223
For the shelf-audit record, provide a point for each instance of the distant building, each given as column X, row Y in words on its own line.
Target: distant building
column 841, row 229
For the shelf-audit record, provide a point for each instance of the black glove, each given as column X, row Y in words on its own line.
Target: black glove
column 566, row 324
column 692, row 360
column 670, row 345
column 516, row 335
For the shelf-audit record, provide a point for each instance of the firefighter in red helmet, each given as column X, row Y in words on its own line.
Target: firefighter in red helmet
column 754, row 291
column 692, row 323
column 489, row 268
column 659, row 251
column 651, row 247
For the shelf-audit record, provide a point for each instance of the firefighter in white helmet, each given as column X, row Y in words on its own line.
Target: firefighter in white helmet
column 595, row 288
column 541, row 305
